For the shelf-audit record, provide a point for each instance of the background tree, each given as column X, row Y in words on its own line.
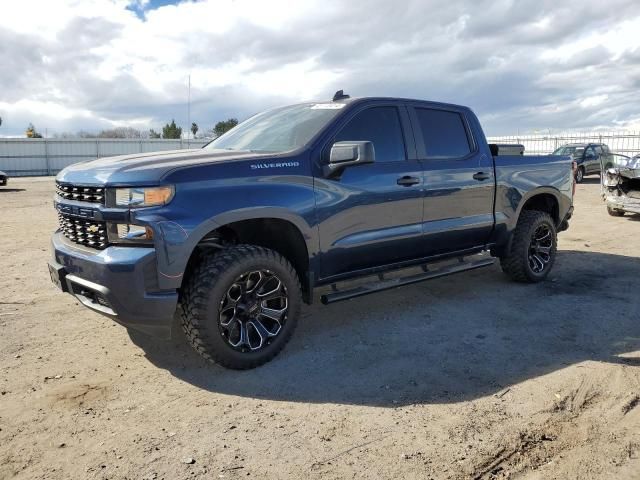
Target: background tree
column 32, row 132
column 170, row 130
column 65, row 135
column 120, row 132
column 153, row 134
column 224, row 126
column 194, row 129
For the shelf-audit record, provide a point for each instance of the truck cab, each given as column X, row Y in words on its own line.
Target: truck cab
column 232, row 238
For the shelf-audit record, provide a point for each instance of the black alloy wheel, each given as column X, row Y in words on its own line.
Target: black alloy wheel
column 540, row 248
column 253, row 311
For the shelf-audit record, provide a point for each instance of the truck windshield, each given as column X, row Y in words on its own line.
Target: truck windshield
column 279, row 130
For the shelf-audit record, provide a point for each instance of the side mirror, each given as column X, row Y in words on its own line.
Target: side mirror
column 347, row 154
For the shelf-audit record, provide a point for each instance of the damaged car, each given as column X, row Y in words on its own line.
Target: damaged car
column 621, row 186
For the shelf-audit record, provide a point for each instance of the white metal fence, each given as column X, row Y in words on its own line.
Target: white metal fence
column 39, row 156
column 623, row 142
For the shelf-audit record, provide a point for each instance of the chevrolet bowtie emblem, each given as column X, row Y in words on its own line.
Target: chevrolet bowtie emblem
column 92, row 228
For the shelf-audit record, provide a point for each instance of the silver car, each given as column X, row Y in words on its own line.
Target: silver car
column 621, row 186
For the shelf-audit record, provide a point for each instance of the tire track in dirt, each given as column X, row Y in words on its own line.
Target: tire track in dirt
column 562, row 430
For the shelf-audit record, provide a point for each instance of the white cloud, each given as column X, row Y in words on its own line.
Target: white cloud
column 593, row 101
column 90, row 64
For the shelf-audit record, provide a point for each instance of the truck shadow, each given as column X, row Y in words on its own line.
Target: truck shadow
column 446, row 340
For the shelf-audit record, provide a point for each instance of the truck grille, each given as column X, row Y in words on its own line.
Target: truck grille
column 79, row 193
column 84, row 232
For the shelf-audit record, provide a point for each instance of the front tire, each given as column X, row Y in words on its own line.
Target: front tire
column 533, row 249
column 579, row 174
column 614, row 212
column 240, row 306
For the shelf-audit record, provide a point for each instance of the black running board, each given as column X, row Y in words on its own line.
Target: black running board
column 461, row 266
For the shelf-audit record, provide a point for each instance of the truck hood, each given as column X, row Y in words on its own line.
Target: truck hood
column 146, row 168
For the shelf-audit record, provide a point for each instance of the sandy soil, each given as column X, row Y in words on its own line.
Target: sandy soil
column 469, row 376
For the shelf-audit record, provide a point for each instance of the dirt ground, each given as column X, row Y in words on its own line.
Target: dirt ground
column 469, row 376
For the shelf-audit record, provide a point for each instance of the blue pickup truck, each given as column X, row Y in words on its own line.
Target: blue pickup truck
column 234, row 237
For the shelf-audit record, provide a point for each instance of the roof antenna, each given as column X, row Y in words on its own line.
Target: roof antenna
column 339, row 95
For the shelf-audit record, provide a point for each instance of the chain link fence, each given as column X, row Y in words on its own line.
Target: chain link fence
column 622, row 142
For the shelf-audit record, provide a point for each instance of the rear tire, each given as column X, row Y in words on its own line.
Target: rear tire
column 533, row 248
column 240, row 306
column 614, row 212
column 579, row 174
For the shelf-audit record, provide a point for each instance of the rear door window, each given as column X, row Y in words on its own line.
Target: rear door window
column 444, row 132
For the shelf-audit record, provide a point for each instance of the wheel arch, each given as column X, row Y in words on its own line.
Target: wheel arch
column 276, row 229
column 545, row 199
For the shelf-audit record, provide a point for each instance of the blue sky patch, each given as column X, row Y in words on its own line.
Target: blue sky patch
column 139, row 9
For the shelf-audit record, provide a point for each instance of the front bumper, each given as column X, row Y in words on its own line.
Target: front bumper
column 624, row 203
column 119, row 282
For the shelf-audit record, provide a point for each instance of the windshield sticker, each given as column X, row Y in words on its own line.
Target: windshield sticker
column 257, row 166
column 328, row 106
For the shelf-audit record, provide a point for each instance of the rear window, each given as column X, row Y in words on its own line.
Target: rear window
column 444, row 133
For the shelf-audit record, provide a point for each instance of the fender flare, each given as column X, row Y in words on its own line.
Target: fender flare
column 534, row 193
column 175, row 261
column 505, row 248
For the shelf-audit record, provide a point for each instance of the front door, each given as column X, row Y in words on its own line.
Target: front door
column 459, row 181
column 372, row 214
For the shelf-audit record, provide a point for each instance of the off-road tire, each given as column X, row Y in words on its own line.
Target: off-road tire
column 580, row 175
column 516, row 263
column 614, row 212
column 205, row 290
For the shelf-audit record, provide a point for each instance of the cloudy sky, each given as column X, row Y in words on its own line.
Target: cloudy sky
column 523, row 66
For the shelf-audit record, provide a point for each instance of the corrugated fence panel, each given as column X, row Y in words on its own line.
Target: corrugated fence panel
column 111, row 148
column 58, row 163
column 28, row 157
column 151, row 146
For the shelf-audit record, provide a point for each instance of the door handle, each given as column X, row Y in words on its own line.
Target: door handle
column 481, row 176
column 408, row 181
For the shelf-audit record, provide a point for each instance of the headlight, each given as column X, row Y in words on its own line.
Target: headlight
column 144, row 196
column 127, row 233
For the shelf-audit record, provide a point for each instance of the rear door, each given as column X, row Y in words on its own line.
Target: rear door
column 372, row 214
column 459, row 180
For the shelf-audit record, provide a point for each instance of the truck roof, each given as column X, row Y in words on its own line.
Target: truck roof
column 350, row 100
column 581, row 144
